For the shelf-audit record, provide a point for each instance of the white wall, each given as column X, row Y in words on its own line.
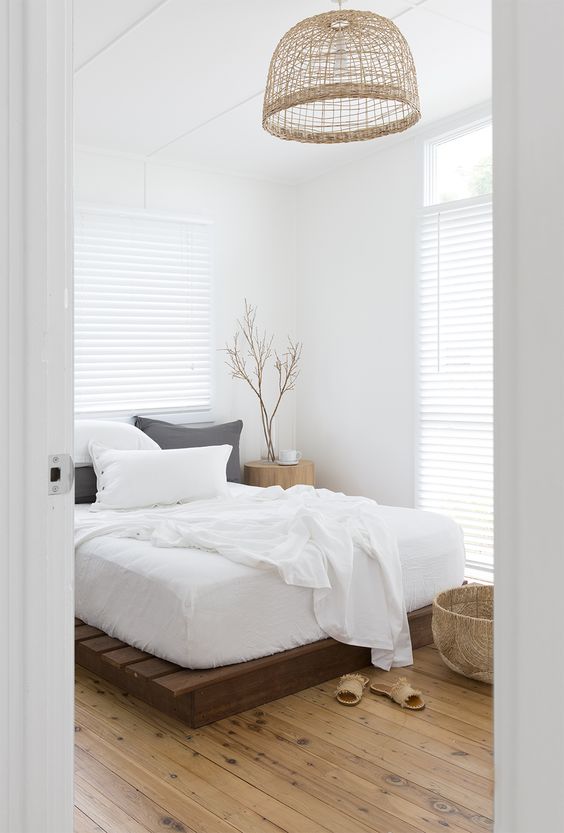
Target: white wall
column 355, row 296
column 254, row 256
column 331, row 261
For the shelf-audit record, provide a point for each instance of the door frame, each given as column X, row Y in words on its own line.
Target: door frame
column 36, row 416
column 528, row 110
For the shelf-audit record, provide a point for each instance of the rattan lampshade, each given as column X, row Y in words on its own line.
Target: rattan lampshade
column 342, row 76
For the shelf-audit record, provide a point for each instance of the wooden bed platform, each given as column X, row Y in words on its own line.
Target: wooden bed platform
column 198, row 697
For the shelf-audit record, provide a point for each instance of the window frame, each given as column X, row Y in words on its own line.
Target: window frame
column 173, row 415
column 430, row 145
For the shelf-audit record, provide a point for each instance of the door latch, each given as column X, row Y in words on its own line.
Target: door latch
column 61, row 474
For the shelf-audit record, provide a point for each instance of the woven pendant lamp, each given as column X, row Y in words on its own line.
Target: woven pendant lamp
column 341, row 76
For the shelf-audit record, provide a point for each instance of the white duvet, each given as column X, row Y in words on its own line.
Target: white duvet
column 336, row 545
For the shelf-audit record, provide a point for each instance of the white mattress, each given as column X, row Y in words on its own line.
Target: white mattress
column 201, row 610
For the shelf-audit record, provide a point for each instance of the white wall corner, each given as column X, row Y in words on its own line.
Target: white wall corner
column 355, row 314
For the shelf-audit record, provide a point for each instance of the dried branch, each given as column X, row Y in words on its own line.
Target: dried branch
column 257, row 351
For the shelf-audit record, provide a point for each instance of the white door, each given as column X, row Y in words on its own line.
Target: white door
column 36, row 578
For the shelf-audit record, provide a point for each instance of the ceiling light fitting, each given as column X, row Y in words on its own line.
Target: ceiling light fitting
column 341, row 76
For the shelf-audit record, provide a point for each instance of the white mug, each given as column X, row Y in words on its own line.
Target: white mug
column 290, row 455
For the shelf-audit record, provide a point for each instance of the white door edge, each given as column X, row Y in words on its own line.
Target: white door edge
column 528, row 121
column 36, row 567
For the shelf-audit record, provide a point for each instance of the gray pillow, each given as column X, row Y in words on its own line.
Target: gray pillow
column 85, row 486
column 168, row 435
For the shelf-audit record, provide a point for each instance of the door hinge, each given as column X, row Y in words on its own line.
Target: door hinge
column 61, row 474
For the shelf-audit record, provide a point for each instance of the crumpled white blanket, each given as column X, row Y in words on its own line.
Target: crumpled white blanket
column 335, row 544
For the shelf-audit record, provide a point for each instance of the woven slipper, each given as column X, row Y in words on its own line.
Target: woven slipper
column 401, row 693
column 351, row 688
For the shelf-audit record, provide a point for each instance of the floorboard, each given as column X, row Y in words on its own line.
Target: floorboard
column 301, row 764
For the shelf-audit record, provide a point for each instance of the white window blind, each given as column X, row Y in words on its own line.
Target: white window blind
column 143, row 314
column 455, row 442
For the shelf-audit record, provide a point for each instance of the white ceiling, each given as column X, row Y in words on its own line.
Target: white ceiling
column 181, row 81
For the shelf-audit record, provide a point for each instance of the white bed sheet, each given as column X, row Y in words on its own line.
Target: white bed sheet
column 200, row 610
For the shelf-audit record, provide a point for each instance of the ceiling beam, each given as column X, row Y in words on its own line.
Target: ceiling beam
column 206, row 122
column 121, row 35
column 474, row 28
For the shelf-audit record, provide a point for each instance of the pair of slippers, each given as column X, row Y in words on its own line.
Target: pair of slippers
column 351, row 687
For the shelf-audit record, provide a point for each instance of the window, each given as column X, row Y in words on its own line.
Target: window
column 455, row 346
column 460, row 165
column 143, row 315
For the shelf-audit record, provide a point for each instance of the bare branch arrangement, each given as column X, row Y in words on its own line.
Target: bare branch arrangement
column 252, row 347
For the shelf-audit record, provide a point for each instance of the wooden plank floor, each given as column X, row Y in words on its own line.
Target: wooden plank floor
column 302, row 764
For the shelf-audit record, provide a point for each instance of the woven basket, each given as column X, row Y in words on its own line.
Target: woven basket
column 463, row 630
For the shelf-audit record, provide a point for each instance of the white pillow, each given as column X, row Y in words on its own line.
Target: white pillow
column 135, row 479
column 112, row 434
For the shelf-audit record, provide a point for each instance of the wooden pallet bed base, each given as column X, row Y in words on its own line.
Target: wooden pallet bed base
column 198, row 697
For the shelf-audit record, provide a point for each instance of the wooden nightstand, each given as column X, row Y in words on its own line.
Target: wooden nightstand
column 262, row 473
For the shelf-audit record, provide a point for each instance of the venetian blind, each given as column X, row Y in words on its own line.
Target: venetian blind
column 143, row 313
column 455, row 442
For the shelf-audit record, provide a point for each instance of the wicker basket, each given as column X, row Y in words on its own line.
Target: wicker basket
column 463, row 630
